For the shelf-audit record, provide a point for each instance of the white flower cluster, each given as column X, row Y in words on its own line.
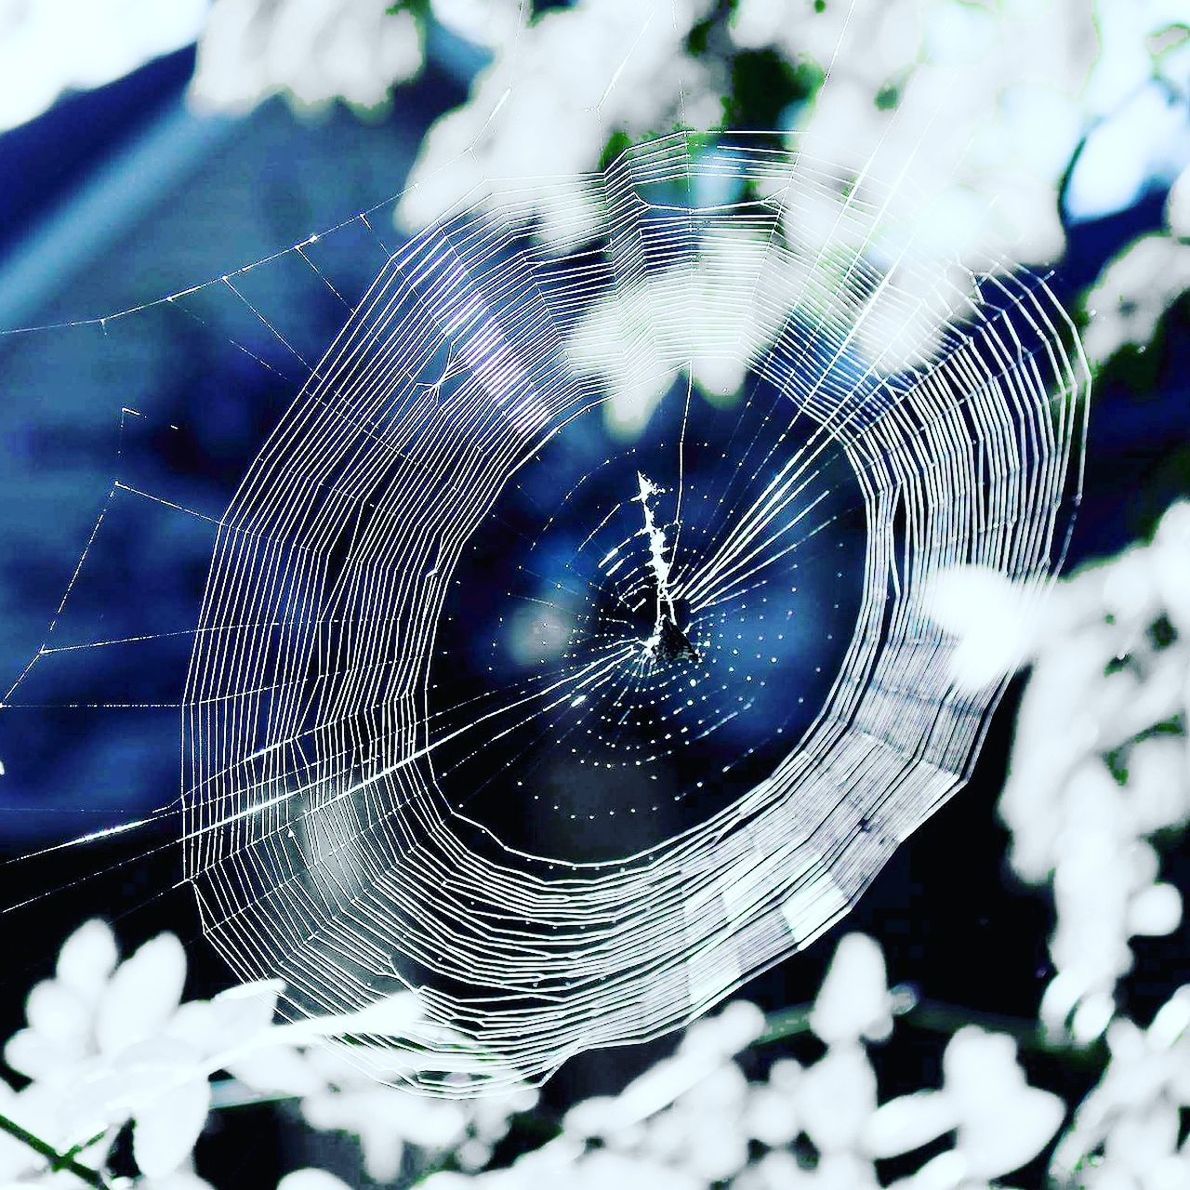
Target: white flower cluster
column 106, row 1044
column 1100, row 767
column 1125, row 1133
column 110, row 1043
column 549, row 102
column 694, row 1119
column 981, row 107
column 1101, row 760
column 1133, row 293
column 387, row 1120
column 997, row 113
column 312, row 51
column 1101, row 763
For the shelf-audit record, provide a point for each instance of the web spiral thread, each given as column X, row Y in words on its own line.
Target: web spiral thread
column 327, row 838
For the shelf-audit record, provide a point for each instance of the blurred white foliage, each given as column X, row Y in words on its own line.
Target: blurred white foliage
column 317, row 51
column 313, row 51
column 996, row 623
column 986, row 117
column 984, row 109
column 691, row 1121
column 1100, row 763
column 1177, row 206
column 854, row 1003
column 1125, row 1133
column 981, row 107
column 718, row 334
column 1133, row 292
column 311, row 1179
column 549, row 101
column 1136, row 101
column 108, row 1042
column 387, row 1120
column 1000, row 1122
column 990, row 107
column 48, row 47
column 1145, row 143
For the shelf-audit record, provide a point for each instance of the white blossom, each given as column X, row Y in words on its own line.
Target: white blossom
column 1000, row 1122
column 311, row 1179
column 550, row 100
column 1100, row 763
column 1177, row 206
column 836, row 1099
column 1130, row 1122
column 313, row 51
column 109, row 1042
column 1133, row 292
column 98, row 1046
column 854, row 1002
column 388, row 1120
column 1089, row 781
column 1143, row 144
column 985, row 115
column 55, row 46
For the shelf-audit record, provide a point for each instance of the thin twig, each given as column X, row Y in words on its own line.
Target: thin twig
column 932, row 1016
column 788, row 1022
column 58, row 1161
column 935, row 1017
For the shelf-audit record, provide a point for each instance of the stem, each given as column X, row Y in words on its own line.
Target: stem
column 789, row 1022
column 932, row 1016
column 58, row 1161
column 936, row 1017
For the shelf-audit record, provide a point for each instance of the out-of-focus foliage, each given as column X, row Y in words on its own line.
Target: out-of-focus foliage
column 48, row 47
column 313, row 52
column 988, row 104
column 1126, row 304
column 109, row 1044
column 1014, row 118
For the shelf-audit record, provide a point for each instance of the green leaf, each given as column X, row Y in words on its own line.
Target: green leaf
column 616, row 144
column 418, row 8
column 764, row 83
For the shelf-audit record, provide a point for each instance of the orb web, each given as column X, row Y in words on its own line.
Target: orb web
column 632, row 672
column 570, row 738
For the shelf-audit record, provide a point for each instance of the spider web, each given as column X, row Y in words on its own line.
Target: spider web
column 573, row 731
